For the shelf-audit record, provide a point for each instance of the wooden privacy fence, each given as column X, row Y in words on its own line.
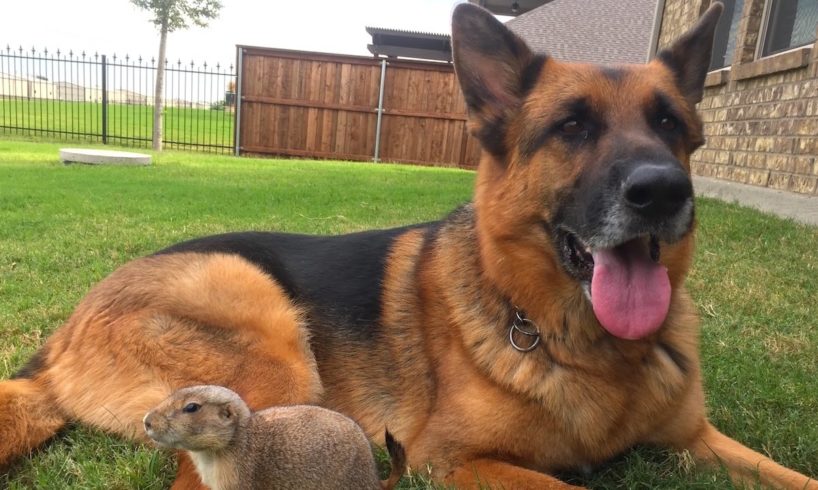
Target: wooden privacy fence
column 318, row 105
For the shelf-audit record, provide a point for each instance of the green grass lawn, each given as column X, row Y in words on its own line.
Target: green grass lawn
column 182, row 126
column 63, row 228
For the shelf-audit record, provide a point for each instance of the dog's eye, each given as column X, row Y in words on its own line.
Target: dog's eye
column 668, row 123
column 572, row 127
column 191, row 407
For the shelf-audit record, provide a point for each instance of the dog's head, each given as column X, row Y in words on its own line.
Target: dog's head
column 584, row 185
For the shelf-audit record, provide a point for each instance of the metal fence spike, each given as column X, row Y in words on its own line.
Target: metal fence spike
column 110, row 82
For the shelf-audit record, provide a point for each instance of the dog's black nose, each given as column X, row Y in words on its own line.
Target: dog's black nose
column 655, row 189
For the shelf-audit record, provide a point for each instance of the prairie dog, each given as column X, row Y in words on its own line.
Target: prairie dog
column 288, row 447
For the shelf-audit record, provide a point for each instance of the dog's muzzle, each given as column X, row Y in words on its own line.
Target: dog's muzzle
column 611, row 242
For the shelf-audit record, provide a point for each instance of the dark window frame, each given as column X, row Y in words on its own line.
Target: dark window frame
column 775, row 17
column 723, row 52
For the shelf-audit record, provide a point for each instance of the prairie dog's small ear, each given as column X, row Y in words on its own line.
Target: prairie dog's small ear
column 689, row 56
column 492, row 64
column 227, row 412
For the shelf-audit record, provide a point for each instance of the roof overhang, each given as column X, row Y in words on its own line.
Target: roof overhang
column 409, row 44
column 510, row 8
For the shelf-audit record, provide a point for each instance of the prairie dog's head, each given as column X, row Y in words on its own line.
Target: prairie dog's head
column 198, row 418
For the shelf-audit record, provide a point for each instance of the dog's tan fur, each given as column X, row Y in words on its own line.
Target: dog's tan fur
column 435, row 365
column 163, row 323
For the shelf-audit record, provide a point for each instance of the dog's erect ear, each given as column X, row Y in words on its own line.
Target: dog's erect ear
column 493, row 67
column 689, row 56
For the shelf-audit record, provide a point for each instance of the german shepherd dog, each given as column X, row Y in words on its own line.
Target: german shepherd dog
column 543, row 327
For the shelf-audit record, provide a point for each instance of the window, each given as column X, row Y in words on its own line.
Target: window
column 724, row 41
column 790, row 23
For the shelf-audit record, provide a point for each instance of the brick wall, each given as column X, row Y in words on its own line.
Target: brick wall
column 760, row 115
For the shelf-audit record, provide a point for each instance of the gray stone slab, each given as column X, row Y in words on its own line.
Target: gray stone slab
column 798, row 207
column 103, row 157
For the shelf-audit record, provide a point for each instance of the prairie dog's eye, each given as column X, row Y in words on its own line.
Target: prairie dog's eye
column 191, row 408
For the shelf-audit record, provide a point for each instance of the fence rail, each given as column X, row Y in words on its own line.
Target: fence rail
column 95, row 97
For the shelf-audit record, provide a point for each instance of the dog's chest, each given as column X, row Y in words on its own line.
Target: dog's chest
column 579, row 415
column 599, row 413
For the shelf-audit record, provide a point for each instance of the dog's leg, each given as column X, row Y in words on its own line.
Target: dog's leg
column 744, row 464
column 156, row 325
column 488, row 473
column 27, row 417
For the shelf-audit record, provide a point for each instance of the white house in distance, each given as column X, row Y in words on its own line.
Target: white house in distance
column 69, row 91
column 14, row 86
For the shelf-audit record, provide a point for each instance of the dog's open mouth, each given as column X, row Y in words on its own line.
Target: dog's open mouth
column 629, row 289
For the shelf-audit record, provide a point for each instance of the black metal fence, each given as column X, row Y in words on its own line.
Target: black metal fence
column 109, row 99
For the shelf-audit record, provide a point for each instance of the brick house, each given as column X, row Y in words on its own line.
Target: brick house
column 760, row 107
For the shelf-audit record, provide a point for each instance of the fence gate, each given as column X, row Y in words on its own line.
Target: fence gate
column 318, row 105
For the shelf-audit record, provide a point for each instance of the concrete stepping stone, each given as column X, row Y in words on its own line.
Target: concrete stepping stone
column 103, row 157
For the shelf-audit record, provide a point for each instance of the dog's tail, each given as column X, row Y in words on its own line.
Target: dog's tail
column 28, row 415
column 398, row 456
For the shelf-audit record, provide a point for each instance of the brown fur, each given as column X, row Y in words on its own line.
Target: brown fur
column 281, row 447
column 161, row 312
column 437, row 368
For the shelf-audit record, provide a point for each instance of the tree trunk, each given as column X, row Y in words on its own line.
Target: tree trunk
column 158, row 100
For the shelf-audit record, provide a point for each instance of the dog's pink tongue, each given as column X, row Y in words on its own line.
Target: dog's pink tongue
column 630, row 292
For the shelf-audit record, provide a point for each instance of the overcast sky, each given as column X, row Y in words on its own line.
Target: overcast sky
column 118, row 27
